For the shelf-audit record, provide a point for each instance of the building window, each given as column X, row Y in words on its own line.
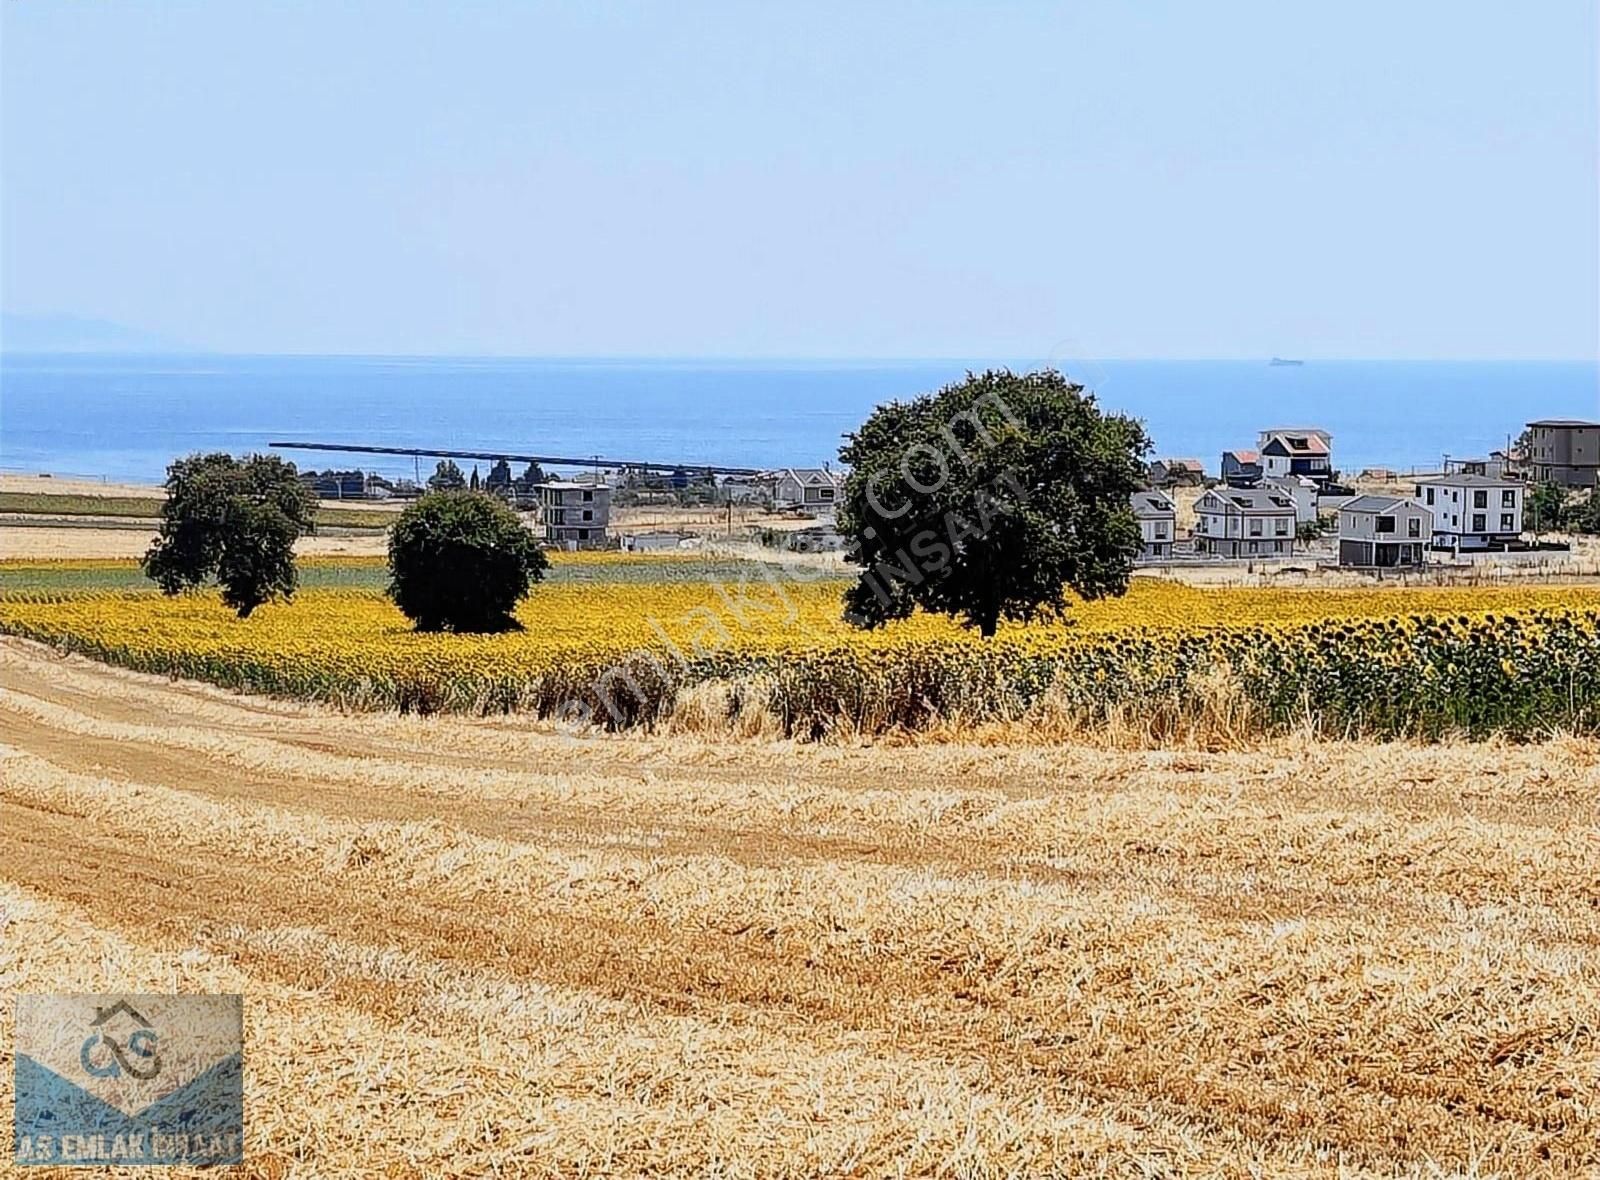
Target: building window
column 1281, row 527
column 1480, row 499
column 1508, row 499
column 1430, row 495
column 588, row 497
column 1161, row 529
column 583, row 534
column 1255, row 528
column 1413, row 527
column 1507, row 522
column 1480, row 522
column 826, row 493
column 587, row 515
column 1255, row 547
column 1385, row 524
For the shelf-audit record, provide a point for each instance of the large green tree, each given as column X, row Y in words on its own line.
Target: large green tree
column 461, row 561
column 235, row 520
column 990, row 499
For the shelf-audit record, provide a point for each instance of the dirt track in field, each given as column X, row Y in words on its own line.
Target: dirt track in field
column 471, row 944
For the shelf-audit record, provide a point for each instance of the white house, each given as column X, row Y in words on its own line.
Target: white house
column 1472, row 511
column 1297, row 450
column 1244, row 522
column 813, row 489
column 1302, row 489
column 1383, row 531
column 1158, row 523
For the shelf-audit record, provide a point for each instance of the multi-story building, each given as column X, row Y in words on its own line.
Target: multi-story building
column 574, row 514
column 1472, row 511
column 1244, row 522
column 1158, row 524
column 1297, row 450
column 1564, row 451
column 1302, row 489
column 1383, row 531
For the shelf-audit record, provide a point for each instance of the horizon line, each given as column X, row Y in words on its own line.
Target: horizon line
column 680, row 358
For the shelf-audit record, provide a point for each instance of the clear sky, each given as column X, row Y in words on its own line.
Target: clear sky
column 1340, row 179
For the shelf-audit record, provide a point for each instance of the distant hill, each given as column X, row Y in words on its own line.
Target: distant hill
column 70, row 333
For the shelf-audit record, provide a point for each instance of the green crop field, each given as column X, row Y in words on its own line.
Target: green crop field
column 149, row 507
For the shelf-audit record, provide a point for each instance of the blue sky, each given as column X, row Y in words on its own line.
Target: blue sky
column 897, row 180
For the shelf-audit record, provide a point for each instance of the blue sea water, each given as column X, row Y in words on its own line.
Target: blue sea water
column 125, row 417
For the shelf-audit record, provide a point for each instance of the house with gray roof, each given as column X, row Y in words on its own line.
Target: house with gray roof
column 1244, row 522
column 1472, row 511
column 1383, row 532
column 812, row 489
column 1158, row 524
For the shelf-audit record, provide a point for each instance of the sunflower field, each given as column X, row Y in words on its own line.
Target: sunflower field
column 624, row 649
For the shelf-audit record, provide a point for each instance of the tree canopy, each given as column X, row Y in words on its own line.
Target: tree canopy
column 461, row 561
column 447, row 477
column 1544, row 508
column 499, row 479
column 990, row 499
column 235, row 520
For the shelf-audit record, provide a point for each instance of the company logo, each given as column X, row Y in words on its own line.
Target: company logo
column 139, row 1043
column 129, row 1080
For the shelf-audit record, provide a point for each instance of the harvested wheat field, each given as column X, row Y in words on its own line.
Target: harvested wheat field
column 471, row 947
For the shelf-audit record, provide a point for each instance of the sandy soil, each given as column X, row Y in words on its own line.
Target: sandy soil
column 701, row 521
column 68, row 486
column 72, row 541
column 470, row 947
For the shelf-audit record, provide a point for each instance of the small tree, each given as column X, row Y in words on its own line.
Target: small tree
column 990, row 499
column 499, row 479
column 1544, row 509
column 1585, row 516
column 461, row 561
column 447, row 477
column 235, row 520
column 1308, row 532
column 531, row 475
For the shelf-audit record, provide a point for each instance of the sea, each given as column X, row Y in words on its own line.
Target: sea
column 125, row 417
